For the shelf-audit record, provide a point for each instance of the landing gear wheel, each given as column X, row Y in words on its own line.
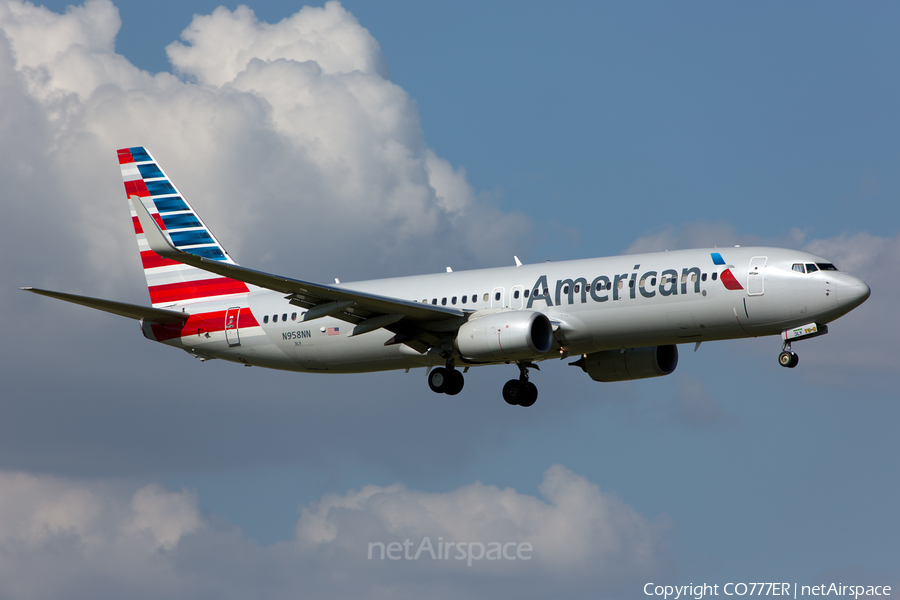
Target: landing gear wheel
column 531, row 394
column 514, row 392
column 455, row 384
column 439, row 380
column 788, row 359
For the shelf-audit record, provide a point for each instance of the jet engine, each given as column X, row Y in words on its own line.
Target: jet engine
column 507, row 335
column 629, row 363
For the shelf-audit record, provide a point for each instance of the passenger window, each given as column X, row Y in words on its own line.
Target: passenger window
column 274, row 318
column 565, row 290
column 434, row 301
column 464, row 298
column 684, row 278
column 546, row 291
column 631, row 283
column 798, row 267
column 599, row 286
column 693, row 278
column 293, row 316
column 443, row 302
column 284, row 317
column 516, row 294
column 653, row 281
column 474, row 298
column 497, row 296
column 811, row 268
column 621, row 284
column 703, row 277
column 453, row 300
column 715, row 276
column 486, row 296
column 526, row 293
column 577, row 288
column 266, row 319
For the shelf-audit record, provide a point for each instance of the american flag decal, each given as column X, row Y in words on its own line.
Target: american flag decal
column 334, row 330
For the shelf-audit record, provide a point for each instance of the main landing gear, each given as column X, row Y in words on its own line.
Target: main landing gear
column 446, row 380
column 788, row 358
column 517, row 392
column 520, row 391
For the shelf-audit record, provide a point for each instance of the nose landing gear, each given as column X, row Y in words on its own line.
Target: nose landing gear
column 788, row 358
column 520, row 391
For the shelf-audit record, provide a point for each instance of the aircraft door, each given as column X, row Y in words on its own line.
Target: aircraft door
column 756, row 276
column 497, row 298
column 516, row 297
column 232, row 316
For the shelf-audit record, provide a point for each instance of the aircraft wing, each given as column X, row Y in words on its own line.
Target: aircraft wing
column 417, row 325
column 132, row 311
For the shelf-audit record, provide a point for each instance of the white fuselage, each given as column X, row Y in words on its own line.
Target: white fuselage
column 595, row 304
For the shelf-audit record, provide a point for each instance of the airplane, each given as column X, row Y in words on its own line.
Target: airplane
column 622, row 316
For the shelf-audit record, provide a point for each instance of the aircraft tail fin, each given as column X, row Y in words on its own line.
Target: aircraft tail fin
column 171, row 282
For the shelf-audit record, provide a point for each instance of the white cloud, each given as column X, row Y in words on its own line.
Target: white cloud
column 288, row 138
column 36, row 511
column 101, row 540
column 163, row 516
column 578, row 530
column 222, row 45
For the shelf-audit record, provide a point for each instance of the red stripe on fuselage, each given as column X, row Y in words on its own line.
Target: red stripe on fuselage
column 203, row 288
column 201, row 323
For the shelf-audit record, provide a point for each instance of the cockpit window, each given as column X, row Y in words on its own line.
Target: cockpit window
column 826, row 267
column 811, row 268
column 798, row 267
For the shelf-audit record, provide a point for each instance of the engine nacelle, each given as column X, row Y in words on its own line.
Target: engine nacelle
column 630, row 363
column 507, row 335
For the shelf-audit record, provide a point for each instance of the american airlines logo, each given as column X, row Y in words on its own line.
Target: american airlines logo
column 667, row 283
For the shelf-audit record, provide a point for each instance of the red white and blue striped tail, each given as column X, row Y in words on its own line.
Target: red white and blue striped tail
column 172, row 282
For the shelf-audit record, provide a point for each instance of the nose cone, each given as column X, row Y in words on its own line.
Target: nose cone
column 851, row 292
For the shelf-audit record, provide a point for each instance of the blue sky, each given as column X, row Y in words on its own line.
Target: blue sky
column 566, row 131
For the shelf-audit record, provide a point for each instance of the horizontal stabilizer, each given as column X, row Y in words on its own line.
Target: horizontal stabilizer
column 132, row 311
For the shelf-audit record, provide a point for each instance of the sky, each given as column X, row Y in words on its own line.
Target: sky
column 371, row 139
